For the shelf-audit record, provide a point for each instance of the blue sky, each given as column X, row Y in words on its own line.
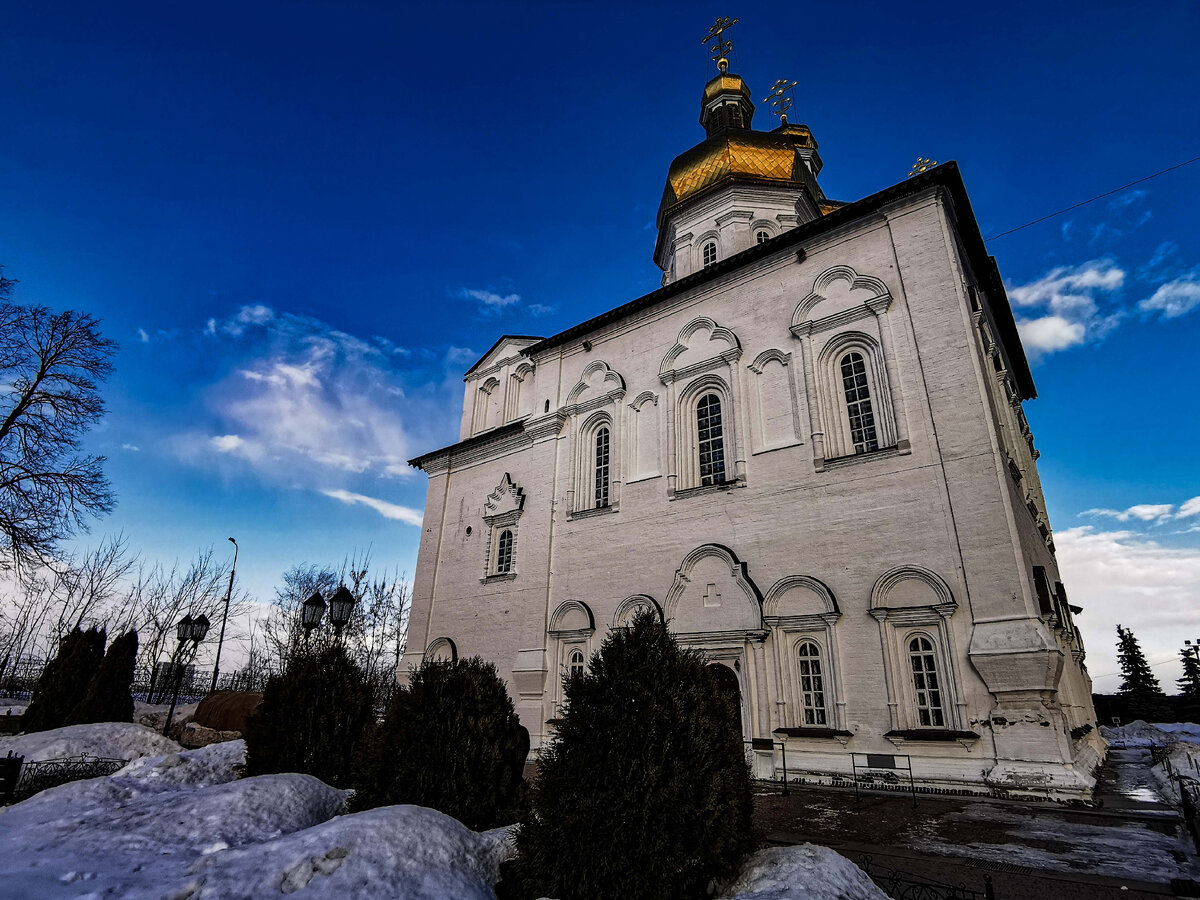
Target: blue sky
column 302, row 221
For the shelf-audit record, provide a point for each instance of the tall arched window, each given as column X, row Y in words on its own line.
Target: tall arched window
column 812, row 683
column 762, row 237
column 711, row 443
column 925, row 682
column 858, row 402
column 575, row 664
column 601, row 467
column 504, row 552
column 710, row 254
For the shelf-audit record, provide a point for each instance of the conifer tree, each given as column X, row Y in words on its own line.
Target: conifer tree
column 451, row 741
column 109, row 697
column 644, row 794
column 1138, row 684
column 65, row 680
column 312, row 719
column 1189, row 682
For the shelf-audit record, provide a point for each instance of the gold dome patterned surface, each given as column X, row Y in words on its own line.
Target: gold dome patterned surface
column 738, row 153
column 725, row 83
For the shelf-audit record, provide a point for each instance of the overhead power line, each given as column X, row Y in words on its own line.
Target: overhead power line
column 1153, row 665
column 1117, row 190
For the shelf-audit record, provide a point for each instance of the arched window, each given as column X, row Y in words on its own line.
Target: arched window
column 711, row 443
column 504, row 552
column 925, row 682
column 710, row 254
column 575, row 664
column 812, row 683
column 762, row 237
column 601, row 468
column 858, row 402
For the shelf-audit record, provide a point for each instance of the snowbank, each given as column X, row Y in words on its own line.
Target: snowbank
column 1136, row 734
column 117, row 740
column 1180, row 731
column 806, row 872
column 12, row 706
column 140, row 831
column 392, row 852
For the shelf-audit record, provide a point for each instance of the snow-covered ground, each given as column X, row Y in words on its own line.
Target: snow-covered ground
column 184, row 826
column 12, row 706
column 1146, row 734
column 114, row 740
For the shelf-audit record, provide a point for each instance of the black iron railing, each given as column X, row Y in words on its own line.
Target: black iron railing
column 38, row 776
column 906, row 886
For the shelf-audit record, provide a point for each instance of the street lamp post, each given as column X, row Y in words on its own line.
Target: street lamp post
column 191, row 631
column 341, row 608
column 311, row 613
column 224, row 617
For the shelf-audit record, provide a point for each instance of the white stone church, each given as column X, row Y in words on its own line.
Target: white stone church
column 806, row 452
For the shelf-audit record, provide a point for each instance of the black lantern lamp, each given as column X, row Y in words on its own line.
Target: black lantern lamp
column 311, row 613
column 189, row 631
column 341, row 607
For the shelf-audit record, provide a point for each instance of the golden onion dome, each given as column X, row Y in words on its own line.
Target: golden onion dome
column 739, row 154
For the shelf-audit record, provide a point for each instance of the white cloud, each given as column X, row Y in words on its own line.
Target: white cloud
column 227, row 443
column 1067, row 298
column 1050, row 333
column 1189, row 508
column 491, row 303
column 132, row 448
column 1146, row 512
column 540, row 309
column 1121, row 577
column 143, row 336
column 385, row 509
column 1175, row 298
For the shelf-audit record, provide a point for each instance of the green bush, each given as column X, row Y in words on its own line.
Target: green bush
column 65, row 680
column 312, row 719
column 108, row 697
column 644, row 794
column 451, row 741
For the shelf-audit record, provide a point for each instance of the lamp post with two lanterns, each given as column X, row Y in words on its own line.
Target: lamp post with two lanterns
column 341, row 608
column 189, row 631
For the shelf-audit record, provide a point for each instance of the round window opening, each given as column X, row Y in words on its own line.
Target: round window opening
column 468, row 531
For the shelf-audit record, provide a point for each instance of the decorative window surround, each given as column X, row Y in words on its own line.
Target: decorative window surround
column 907, row 602
column 592, row 404
column 828, row 418
column 702, row 361
column 442, row 649
column 799, row 609
column 572, row 626
column 631, row 606
column 501, row 512
column 767, row 433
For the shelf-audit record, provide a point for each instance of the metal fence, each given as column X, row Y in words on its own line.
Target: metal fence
column 906, row 886
column 35, row 777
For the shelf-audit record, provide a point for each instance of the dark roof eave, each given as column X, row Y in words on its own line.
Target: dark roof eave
column 484, row 437
column 946, row 175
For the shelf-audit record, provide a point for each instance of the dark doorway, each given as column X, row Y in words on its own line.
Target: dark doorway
column 727, row 682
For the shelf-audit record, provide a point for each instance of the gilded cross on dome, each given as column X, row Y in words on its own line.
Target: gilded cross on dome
column 780, row 99
column 922, row 165
column 720, row 47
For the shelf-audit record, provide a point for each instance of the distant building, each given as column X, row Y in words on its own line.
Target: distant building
column 806, row 452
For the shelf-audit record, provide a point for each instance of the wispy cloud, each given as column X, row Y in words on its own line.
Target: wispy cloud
column 1149, row 512
column 1174, row 298
column 132, row 448
column 539, row 309
column 143, row 336
column 1120, row 576
column 385, row 509
column 490, row 303
column 1064, row 308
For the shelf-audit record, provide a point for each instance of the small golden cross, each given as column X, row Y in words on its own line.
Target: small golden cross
column 780, row 98
column 720, row 47
column 922, row 165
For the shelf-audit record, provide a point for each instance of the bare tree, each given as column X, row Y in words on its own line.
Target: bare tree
column 51, row 366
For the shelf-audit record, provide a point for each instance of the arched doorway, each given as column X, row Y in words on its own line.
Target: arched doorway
column 727, row 681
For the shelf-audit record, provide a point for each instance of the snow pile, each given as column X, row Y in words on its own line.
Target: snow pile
column 1180, row 731
column 11, row 706
column 114, row 740
column 154, row 715
column 1136, row 734
column 1183, row 759
column 395, row 851
column 805, row 872
column 141, row 830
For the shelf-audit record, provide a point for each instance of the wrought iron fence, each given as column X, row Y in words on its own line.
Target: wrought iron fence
column 38, row 776
column 906, row 886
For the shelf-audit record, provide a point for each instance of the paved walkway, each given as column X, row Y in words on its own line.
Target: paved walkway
column 1133, row 845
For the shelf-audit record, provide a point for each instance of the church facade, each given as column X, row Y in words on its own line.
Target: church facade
column 806, row 452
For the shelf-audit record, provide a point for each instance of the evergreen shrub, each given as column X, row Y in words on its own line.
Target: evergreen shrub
column 65, row 680
column 645, row 793
column 450, row 741
column 109, row 697
column 312, row 719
